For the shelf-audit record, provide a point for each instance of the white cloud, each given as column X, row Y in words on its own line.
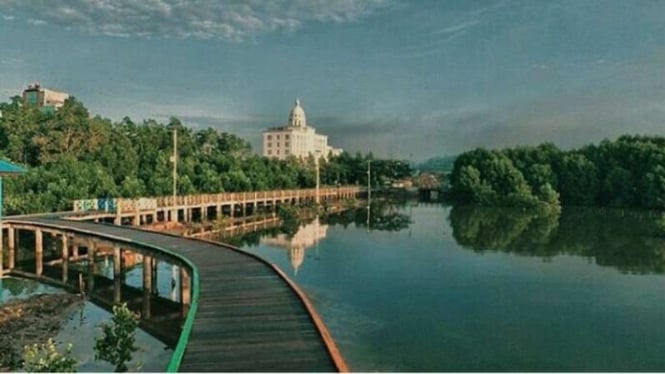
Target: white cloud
column 234, row 20
column 8, row 18
column 37, row 22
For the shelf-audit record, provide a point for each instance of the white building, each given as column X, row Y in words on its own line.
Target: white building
column 296, row 138
column 45, row 99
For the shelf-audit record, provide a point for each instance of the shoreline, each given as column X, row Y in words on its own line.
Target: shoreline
column 31, row 321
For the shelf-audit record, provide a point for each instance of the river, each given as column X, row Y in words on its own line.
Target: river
column 426, row 287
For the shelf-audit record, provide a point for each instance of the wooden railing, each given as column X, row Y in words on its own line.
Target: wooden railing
column 154, row 203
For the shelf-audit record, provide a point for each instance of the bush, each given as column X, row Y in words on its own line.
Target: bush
column 118, row 338
column 44, row 358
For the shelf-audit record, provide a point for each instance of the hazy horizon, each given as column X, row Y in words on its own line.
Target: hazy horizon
column 398, row 78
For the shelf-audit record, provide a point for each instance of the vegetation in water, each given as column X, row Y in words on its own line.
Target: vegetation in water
column 383, row 215
column 45, row 358
column 117, row 343
column 628, row 172
column 72, row 155
column 620, row 238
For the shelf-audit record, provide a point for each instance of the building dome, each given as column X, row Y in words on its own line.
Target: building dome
column 297, row 116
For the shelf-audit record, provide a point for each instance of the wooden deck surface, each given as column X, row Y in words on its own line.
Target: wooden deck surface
column 248, row 318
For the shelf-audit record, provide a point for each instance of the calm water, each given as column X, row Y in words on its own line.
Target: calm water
column 82, row 325
column 428, row 287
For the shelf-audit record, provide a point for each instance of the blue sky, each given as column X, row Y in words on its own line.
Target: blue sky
column 399, row 78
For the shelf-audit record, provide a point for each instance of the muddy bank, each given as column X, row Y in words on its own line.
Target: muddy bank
column 29, row 321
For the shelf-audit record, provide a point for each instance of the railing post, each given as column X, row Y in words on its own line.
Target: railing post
column 147, row 285
column 118, row 212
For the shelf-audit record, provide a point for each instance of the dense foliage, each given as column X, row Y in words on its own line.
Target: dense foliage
column 72, row 155
column 443, row 164
column 45, row 358
column 628, row 172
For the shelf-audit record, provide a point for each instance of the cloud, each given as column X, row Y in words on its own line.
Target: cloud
column 234, row 20
column 8, row 18
column 37, row 22
column 452, row 29
column 454, row 26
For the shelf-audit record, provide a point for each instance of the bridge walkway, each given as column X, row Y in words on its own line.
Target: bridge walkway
column 249, row 318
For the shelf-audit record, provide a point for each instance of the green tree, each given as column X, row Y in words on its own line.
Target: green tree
column 118, row 340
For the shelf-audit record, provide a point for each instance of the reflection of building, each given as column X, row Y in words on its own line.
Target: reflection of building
column 46, row 100
column 296, row 138
column 306, row 237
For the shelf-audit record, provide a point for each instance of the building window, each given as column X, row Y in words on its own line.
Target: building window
column 277, row 144
column 269, row 152
column 269, row 144
column 278, row 151
column 277, row 136
column 269, row 137
column 286, row 152
column 286, row 136
column 286, row 144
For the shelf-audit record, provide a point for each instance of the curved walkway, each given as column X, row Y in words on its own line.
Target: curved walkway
column 250, row 317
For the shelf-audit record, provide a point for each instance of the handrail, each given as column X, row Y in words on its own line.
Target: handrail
column 155, row 202
column 179, row 351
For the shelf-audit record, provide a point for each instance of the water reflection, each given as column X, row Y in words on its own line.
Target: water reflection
column 107, row 274
column 622, row 239
column 382, row 216
column 300, row 236
column 306, row 237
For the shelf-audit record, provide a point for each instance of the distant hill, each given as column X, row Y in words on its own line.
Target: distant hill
column 438, row 164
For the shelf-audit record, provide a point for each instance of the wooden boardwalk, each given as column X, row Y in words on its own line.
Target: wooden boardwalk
column 250, row 317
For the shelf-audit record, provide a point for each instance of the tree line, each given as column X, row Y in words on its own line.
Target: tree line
column 72, row 155
column 627, row 172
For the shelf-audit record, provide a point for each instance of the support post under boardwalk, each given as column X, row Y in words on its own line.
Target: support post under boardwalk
column 91, row 267
column 1, row 251
column 11, row 247
column 1, row 238
column 117, row 274
column 147, row 285
column 153, row 272
column 39, row 252
column 185, row 291
column 65, row 258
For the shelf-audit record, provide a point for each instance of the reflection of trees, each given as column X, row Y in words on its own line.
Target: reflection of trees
column 622, row 239
column 383, row 216
column 249, row 238
column 508, row 230
column 17, row 286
